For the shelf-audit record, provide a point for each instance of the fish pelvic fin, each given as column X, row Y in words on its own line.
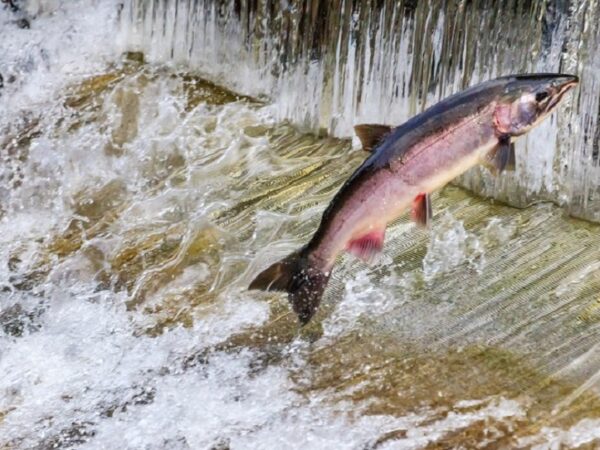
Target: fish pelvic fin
column 368, row 246
column 371, row 135
column 422, row 211
column 301, row 278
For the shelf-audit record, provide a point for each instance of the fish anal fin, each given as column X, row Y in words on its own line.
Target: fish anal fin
column 368, row 246
column 371, row 135
column 421, row 210
column 502, row 157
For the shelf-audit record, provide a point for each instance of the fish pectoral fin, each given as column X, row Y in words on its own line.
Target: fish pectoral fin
column 371, row 135
column 502, row 157
column 368, row 246
column 512, row 158
column 421, row 210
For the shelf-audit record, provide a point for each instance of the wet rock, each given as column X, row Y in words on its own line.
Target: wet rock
column 388, row 437
column 197, row 359
column 99, row 207
column 23, row 24
column 14, row 262
column 134, row 57
column 142, row 395
column 94, row 204
column 89, row 90
column 197, row 90
column 127, row 103
column 29, row 280
column 221, row 444
column 169, row 295
column 16, row 140
column 15, row 320
column 77, row 434
column 89, row 94
column 178, row 443
column 12, row 4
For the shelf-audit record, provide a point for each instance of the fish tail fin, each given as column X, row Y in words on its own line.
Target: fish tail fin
column 300, row 277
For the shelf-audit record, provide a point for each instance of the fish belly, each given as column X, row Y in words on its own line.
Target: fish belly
column 426, row 172
column 390, row 191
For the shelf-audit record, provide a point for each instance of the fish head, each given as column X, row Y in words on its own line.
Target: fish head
column 528, row 99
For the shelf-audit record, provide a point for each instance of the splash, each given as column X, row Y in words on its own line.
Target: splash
column 452, row 246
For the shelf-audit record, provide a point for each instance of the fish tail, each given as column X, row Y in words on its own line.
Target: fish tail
column 300, row 277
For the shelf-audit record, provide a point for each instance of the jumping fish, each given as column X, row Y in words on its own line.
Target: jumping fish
column 407, row 163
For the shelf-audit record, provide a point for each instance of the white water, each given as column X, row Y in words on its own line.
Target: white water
column 83, row 374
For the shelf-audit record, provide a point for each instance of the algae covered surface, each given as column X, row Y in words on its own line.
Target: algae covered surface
column 145, row 207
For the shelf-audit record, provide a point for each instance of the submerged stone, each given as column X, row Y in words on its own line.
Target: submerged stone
column 15, row 320
column 201, row 91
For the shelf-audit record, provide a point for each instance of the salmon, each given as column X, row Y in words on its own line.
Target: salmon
column 408, row 163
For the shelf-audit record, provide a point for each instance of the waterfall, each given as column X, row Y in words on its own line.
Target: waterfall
column 330, row 64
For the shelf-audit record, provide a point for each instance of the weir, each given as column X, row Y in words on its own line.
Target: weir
column 155, row 156
column 333, row 64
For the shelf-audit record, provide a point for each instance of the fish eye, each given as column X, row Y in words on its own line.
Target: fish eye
column 541, row 96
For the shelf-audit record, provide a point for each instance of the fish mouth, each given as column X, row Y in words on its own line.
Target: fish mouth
column 562, row 86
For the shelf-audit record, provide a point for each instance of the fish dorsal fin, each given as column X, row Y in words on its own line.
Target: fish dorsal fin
column 371, row 135
column 421, row 210
column 368, row 246
column 502, row 157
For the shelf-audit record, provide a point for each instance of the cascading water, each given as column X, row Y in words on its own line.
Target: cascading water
column 333, row 64
column 138, row 200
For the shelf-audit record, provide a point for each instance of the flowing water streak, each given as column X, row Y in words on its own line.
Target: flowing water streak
column 332, row 64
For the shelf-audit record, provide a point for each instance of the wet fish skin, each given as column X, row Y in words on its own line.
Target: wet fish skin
column 476, row 126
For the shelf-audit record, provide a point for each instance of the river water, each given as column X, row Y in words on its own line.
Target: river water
column 138, row 200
